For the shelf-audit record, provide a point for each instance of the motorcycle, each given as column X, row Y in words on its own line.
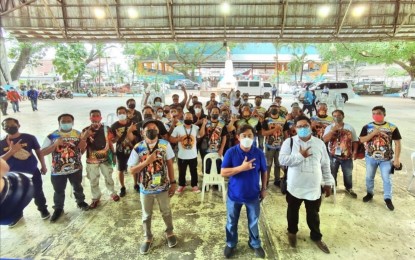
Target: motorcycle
column 89, row 93
column 64, row 94
column 46, row 95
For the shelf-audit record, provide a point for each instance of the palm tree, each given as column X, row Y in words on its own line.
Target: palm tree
column 298, row 50
column 294, row 67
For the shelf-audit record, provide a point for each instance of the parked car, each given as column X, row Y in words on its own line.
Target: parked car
column 370, row 87
column 335, row 88
column 187, row 83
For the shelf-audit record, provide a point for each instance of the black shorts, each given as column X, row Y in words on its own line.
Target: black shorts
column 122, row 160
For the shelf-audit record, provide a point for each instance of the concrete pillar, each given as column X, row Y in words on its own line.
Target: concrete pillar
column 4, row 66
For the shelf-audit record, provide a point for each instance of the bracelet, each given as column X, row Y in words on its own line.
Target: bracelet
column 173, row 182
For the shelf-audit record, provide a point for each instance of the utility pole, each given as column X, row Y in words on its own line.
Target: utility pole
column 99, row 76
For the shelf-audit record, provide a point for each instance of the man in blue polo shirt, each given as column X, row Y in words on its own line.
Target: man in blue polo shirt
column 244, row 164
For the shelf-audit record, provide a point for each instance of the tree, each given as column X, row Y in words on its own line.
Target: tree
column 299, row 53
column 25, row 53
column 72, row 59
column 294, row 67
column 401, row 53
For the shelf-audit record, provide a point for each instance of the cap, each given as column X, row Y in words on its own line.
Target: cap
column 295, row 104
column 148, row 121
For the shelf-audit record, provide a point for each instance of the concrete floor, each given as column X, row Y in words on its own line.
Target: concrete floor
column 352, row 229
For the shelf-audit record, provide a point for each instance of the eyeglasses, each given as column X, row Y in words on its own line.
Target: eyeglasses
column 302, row 126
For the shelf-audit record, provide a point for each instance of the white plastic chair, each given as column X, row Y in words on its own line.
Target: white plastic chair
column 413, row 169
column 214, row 177
column 111, row 118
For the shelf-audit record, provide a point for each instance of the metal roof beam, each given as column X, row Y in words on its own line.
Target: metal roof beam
column 64, row 16
column 404, row 21
column 284, row 18
column 10, row 3
column 344, row 18
column 46, row 4
column 169, row 4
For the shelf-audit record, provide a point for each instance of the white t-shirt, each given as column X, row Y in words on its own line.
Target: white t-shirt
column 187, row 144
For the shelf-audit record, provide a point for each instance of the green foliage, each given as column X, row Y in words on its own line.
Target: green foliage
column 70, row 60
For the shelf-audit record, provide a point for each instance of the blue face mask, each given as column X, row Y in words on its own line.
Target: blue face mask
column 304, row 132
column 66, row 127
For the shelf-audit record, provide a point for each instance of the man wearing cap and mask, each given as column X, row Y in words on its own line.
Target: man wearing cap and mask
column 245, row 166
column 152, row 160
column 321, row 120
column 100, row 157
column 17, row 150
column 66, row 146
column 342, row 146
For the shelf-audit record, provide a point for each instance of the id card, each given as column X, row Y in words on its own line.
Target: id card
column 338, row 151
column 156, row 179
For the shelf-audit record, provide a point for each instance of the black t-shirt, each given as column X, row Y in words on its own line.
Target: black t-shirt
column 160, row 125
column 120, row 132
column 135, row 116
column 182, row 104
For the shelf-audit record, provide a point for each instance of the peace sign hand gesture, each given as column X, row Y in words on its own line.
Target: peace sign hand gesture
column 247, row 165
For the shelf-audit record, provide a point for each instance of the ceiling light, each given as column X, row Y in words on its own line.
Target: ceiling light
column 132, row 13
column 358, row 11
column 323, row 11
column 225, row 8
column 99, row 12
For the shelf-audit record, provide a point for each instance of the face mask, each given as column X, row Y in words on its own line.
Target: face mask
column 238, row 95
column 223, row 99
column 198, row 110
column 160, row 114
column 274, row 111
column 225, row 117
column 66, row 127
column 378, row 118
column 337, row 119
column 151, row 134
column 215, row 116
column 166, row 111
column 258, row 103
column 157, row 103
column 247, row 142
column 11, row 130
column 188, row 122
column 131, row 106
column 122, row 116
column 304, row 132
column 246, row 100
column 96, row 119
column 148, row 116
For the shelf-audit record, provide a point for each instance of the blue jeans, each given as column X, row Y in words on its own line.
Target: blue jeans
column 347, row 169
column 34, row 104
column 233, row 210
column 385, row 171
column 15, row 106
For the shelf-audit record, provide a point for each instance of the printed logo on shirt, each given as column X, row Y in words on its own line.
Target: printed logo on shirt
column 380, row 146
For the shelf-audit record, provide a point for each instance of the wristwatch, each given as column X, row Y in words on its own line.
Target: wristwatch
column 173, row 182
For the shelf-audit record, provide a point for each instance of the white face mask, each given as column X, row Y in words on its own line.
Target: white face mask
column 198, row 110
column 247, row 142
column 160, row 114
column 122, row 116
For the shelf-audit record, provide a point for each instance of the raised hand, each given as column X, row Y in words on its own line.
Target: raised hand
column 133, row 127
column 247, row 165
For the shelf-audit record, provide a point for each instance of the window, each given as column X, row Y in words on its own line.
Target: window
column 243, row 84
column 254, row 84
column 321, row 86
column 267, row 85
column 413, row 85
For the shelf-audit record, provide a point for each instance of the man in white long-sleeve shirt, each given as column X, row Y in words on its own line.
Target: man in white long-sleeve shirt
column 308, row 168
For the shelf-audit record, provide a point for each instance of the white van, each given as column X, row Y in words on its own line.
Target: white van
column 411, row 90
column 254, row 88
column 335, row 89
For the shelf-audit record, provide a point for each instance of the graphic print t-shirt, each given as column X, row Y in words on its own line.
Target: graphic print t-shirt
column 66, row 158
column 187, row 144
column 29, row 143
column 342, row 138
column 320, row 124
column 275, row 140
column 123, row 146
column 154, row 177
column 214, row 134
column 380, row 146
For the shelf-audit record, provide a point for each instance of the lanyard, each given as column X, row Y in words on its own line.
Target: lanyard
column 190, row 132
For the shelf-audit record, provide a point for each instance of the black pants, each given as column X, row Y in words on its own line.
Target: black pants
column 59, row 185
column 182, row 165
column 3, row 107
column 309, row 109
column 313, row 217
column 209, row 162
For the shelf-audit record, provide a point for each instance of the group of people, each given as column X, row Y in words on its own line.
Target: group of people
column 13, row 96
column 249, row 139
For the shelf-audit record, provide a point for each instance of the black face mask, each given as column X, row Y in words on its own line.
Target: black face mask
column 131, row 106
column 188, row 122
column 166, row 111
column 274, row 111
column 258, row 103
column 215, row 116
column 246, row 100
column 148, row 116
column 151, row 134
column 11, row 130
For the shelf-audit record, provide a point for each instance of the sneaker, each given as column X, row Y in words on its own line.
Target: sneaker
column 259, row 252
column 351, row 193
column 83, row 206
column 145, row 247
column 277, row 183
column 137, row 188
column 171, row 240
column 228, row 252
column 94, row 204
column 122, row 192
column 56, row 215
column 115, row 197
column 389, row 204
column 16, row 221
column 180, row 190
column 368, row 197
column 44, row 214
column 195, row 189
